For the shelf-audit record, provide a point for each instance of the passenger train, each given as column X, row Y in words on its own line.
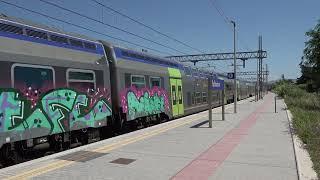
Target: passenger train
column 59, row 89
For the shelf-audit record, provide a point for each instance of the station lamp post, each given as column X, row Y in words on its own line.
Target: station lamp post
column 234, row 67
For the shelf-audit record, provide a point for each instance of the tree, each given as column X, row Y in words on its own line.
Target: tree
column 310, row 62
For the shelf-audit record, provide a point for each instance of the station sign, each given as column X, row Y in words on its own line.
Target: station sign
column 230, row 75
column 217, row 84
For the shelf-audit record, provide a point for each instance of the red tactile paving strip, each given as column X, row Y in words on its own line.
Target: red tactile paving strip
column 206, row 163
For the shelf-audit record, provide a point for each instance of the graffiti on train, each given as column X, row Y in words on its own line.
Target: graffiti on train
column 55, row 111
column 142, row 102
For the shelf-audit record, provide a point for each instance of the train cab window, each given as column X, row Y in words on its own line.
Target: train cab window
column 204, row 97
column 138, row 81
column 32, row 77
column 82, row 80
column 155, row 82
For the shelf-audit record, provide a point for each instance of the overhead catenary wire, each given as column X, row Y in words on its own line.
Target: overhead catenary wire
column 85, row 28
column 226, row 19
column 146, row 26
column 82, row 27
column 149, row 27
column 112, row 26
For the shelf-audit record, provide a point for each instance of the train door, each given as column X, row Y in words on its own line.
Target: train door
column 175, row 107
column 180, row 97
column 176, row 92
column 176, row 97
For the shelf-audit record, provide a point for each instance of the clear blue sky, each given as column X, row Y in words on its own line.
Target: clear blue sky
column 282, row 23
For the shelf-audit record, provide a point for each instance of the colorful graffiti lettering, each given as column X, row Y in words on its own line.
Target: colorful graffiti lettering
column 56, row 111
column 142, row 102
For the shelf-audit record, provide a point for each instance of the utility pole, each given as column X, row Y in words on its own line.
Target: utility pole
column 260, row 69
column 235, row 66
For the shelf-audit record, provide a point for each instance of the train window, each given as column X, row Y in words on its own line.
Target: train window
column 11, row 29
column 198, row 97
column 82, row 80
column 138, row 81
column 195, row 73
column 189, row 98
column 59, row 39
column 187, row 71
column 76, row 43
column 174, row 95
column 36, row 34
column 180, row 94
column 155, row 81
column 32, row 77
column 193, row 98
column 89, row 46
column 204, row 97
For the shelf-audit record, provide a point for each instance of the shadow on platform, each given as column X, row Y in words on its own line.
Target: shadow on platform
column 200, row 125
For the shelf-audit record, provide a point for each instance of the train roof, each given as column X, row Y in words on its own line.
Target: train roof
column 153, row 59
column 145, row 57
column 21, row 29
column 44, row 27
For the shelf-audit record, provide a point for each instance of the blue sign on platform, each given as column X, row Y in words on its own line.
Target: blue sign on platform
column 217, row 84
column 230, row 75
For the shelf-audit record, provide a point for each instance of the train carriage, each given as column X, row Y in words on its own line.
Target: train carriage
column 145, row 88
column 52, row 86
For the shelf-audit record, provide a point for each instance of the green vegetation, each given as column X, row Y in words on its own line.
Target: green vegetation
column 305, row 108
column 310, row 62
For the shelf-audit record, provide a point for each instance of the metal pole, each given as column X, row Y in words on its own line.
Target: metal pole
column 260, row 69
column 257, row 82
column 263, row 84
column 210, row 100
column 267, row 77
column 275, row 104
column 261, row 65
column 223, row 109
column 234, row 66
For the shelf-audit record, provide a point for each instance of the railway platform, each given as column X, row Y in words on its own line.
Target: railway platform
column 254, row 143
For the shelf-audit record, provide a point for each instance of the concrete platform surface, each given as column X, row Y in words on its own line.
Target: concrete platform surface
column 254, row 143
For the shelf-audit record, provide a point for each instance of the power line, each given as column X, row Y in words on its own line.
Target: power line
column 111, row 26
column 146, row 26
column 44, row 1
column 220, row 12
column 82, row 27
column 226, row 20
column 149, row 27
